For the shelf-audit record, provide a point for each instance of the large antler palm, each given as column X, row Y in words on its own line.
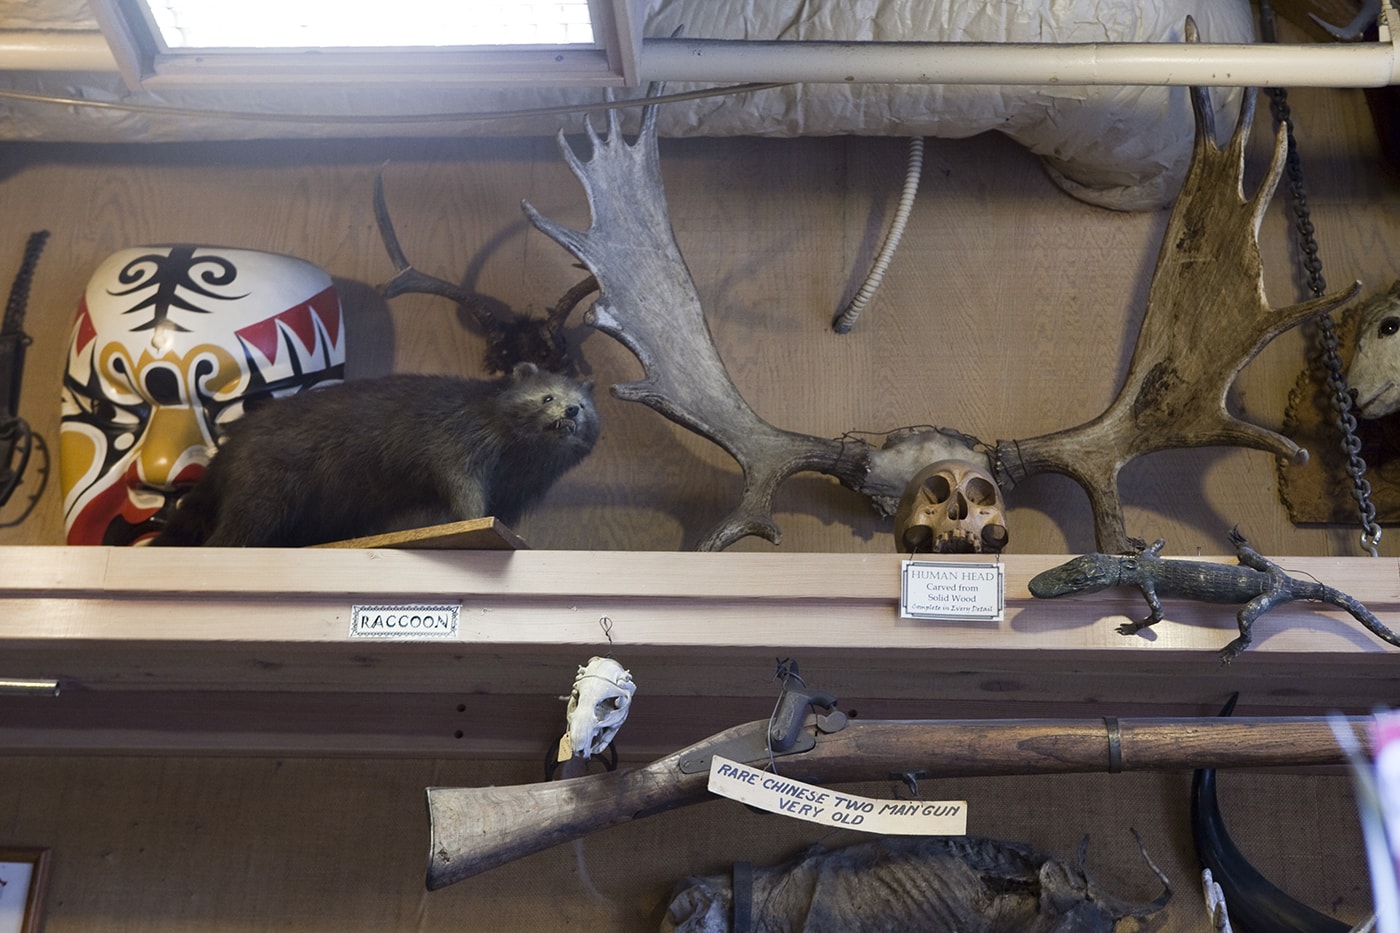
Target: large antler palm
column 650, row 304
column 1206, row 318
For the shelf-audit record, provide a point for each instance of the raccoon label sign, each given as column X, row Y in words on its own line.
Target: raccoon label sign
column 404, row 623
column 777, row 794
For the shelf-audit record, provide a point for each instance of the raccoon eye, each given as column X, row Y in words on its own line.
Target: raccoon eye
column 548, row 399
column 1389, row 326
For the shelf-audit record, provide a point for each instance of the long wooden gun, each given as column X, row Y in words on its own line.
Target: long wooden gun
column 474, row 829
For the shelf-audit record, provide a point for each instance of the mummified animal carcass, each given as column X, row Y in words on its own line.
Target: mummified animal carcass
column 911, row 883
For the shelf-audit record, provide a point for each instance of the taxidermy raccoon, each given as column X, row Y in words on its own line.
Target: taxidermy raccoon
column 378, row 455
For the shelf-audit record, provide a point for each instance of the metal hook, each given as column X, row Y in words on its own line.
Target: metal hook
column 787, row 670
column 551, row 758
column 910, row 780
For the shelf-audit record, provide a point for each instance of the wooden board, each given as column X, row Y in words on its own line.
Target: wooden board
column 477, row 534
column 250, row 650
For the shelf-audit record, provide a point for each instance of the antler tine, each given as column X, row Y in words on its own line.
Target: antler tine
column 567, row 237
column 591, row 131
column 569, row 300
column 738, row 525
column 1205, row 121
column 614, row 119
column 386, row 226
column 1278, row 159
column 1201, row 110
column 571, row 239
column 571, row 159
column 407, row 279
column 1244, row 125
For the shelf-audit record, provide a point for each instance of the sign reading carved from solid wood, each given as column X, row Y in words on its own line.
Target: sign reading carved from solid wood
column 939, row 590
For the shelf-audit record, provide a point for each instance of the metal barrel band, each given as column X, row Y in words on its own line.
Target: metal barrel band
column 1115, row 744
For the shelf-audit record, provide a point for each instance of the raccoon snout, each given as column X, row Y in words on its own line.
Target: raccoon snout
column 571, row 412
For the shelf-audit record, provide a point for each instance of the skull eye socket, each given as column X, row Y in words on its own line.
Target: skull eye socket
column 980, row 492
column 938, row 488
column 918, row 538
column 1388, row 327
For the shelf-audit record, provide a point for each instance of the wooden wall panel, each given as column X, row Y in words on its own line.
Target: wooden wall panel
column 320, row 846
column 1009, row 311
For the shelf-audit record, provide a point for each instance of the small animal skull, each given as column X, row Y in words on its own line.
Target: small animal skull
column 598, row 706
column 951, row 507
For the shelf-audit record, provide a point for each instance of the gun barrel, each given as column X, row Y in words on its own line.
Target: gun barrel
column 474, row 829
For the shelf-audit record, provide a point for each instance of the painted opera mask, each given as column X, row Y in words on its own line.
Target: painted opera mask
column 170, row 344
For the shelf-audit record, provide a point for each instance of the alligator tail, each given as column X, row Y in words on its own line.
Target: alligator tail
column 1360, row 613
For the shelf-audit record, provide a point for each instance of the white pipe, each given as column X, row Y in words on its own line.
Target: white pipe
column 55, row 50
column 1368, row 64
column 720, row 61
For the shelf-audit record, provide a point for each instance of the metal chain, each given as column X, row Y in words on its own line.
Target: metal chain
column 1331, row 361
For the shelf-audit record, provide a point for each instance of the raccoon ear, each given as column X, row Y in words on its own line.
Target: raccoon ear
column 523, row 371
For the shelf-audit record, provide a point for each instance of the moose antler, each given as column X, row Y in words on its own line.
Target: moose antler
column 649, row 303
column 1206, row 318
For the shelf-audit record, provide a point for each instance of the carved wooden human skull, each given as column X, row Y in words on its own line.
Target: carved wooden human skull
column 598, row 706
column 951, row 507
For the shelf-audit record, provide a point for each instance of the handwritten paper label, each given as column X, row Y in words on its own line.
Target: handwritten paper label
column 404, row 623
column 777, row 794
column 933, row 590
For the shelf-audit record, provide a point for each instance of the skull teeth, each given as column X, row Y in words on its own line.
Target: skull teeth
column 952, row 542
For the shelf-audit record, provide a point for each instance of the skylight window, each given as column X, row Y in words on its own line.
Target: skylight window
column 312, row 24
column 175, row 43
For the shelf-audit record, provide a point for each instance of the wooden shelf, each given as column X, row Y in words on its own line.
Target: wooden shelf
column 250, row 651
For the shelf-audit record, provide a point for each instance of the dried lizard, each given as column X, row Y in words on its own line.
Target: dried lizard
column 1255, row 581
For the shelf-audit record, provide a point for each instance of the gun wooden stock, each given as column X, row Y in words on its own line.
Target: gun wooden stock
column 474, row 829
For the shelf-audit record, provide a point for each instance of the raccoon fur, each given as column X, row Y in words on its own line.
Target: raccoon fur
column 377, row 455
